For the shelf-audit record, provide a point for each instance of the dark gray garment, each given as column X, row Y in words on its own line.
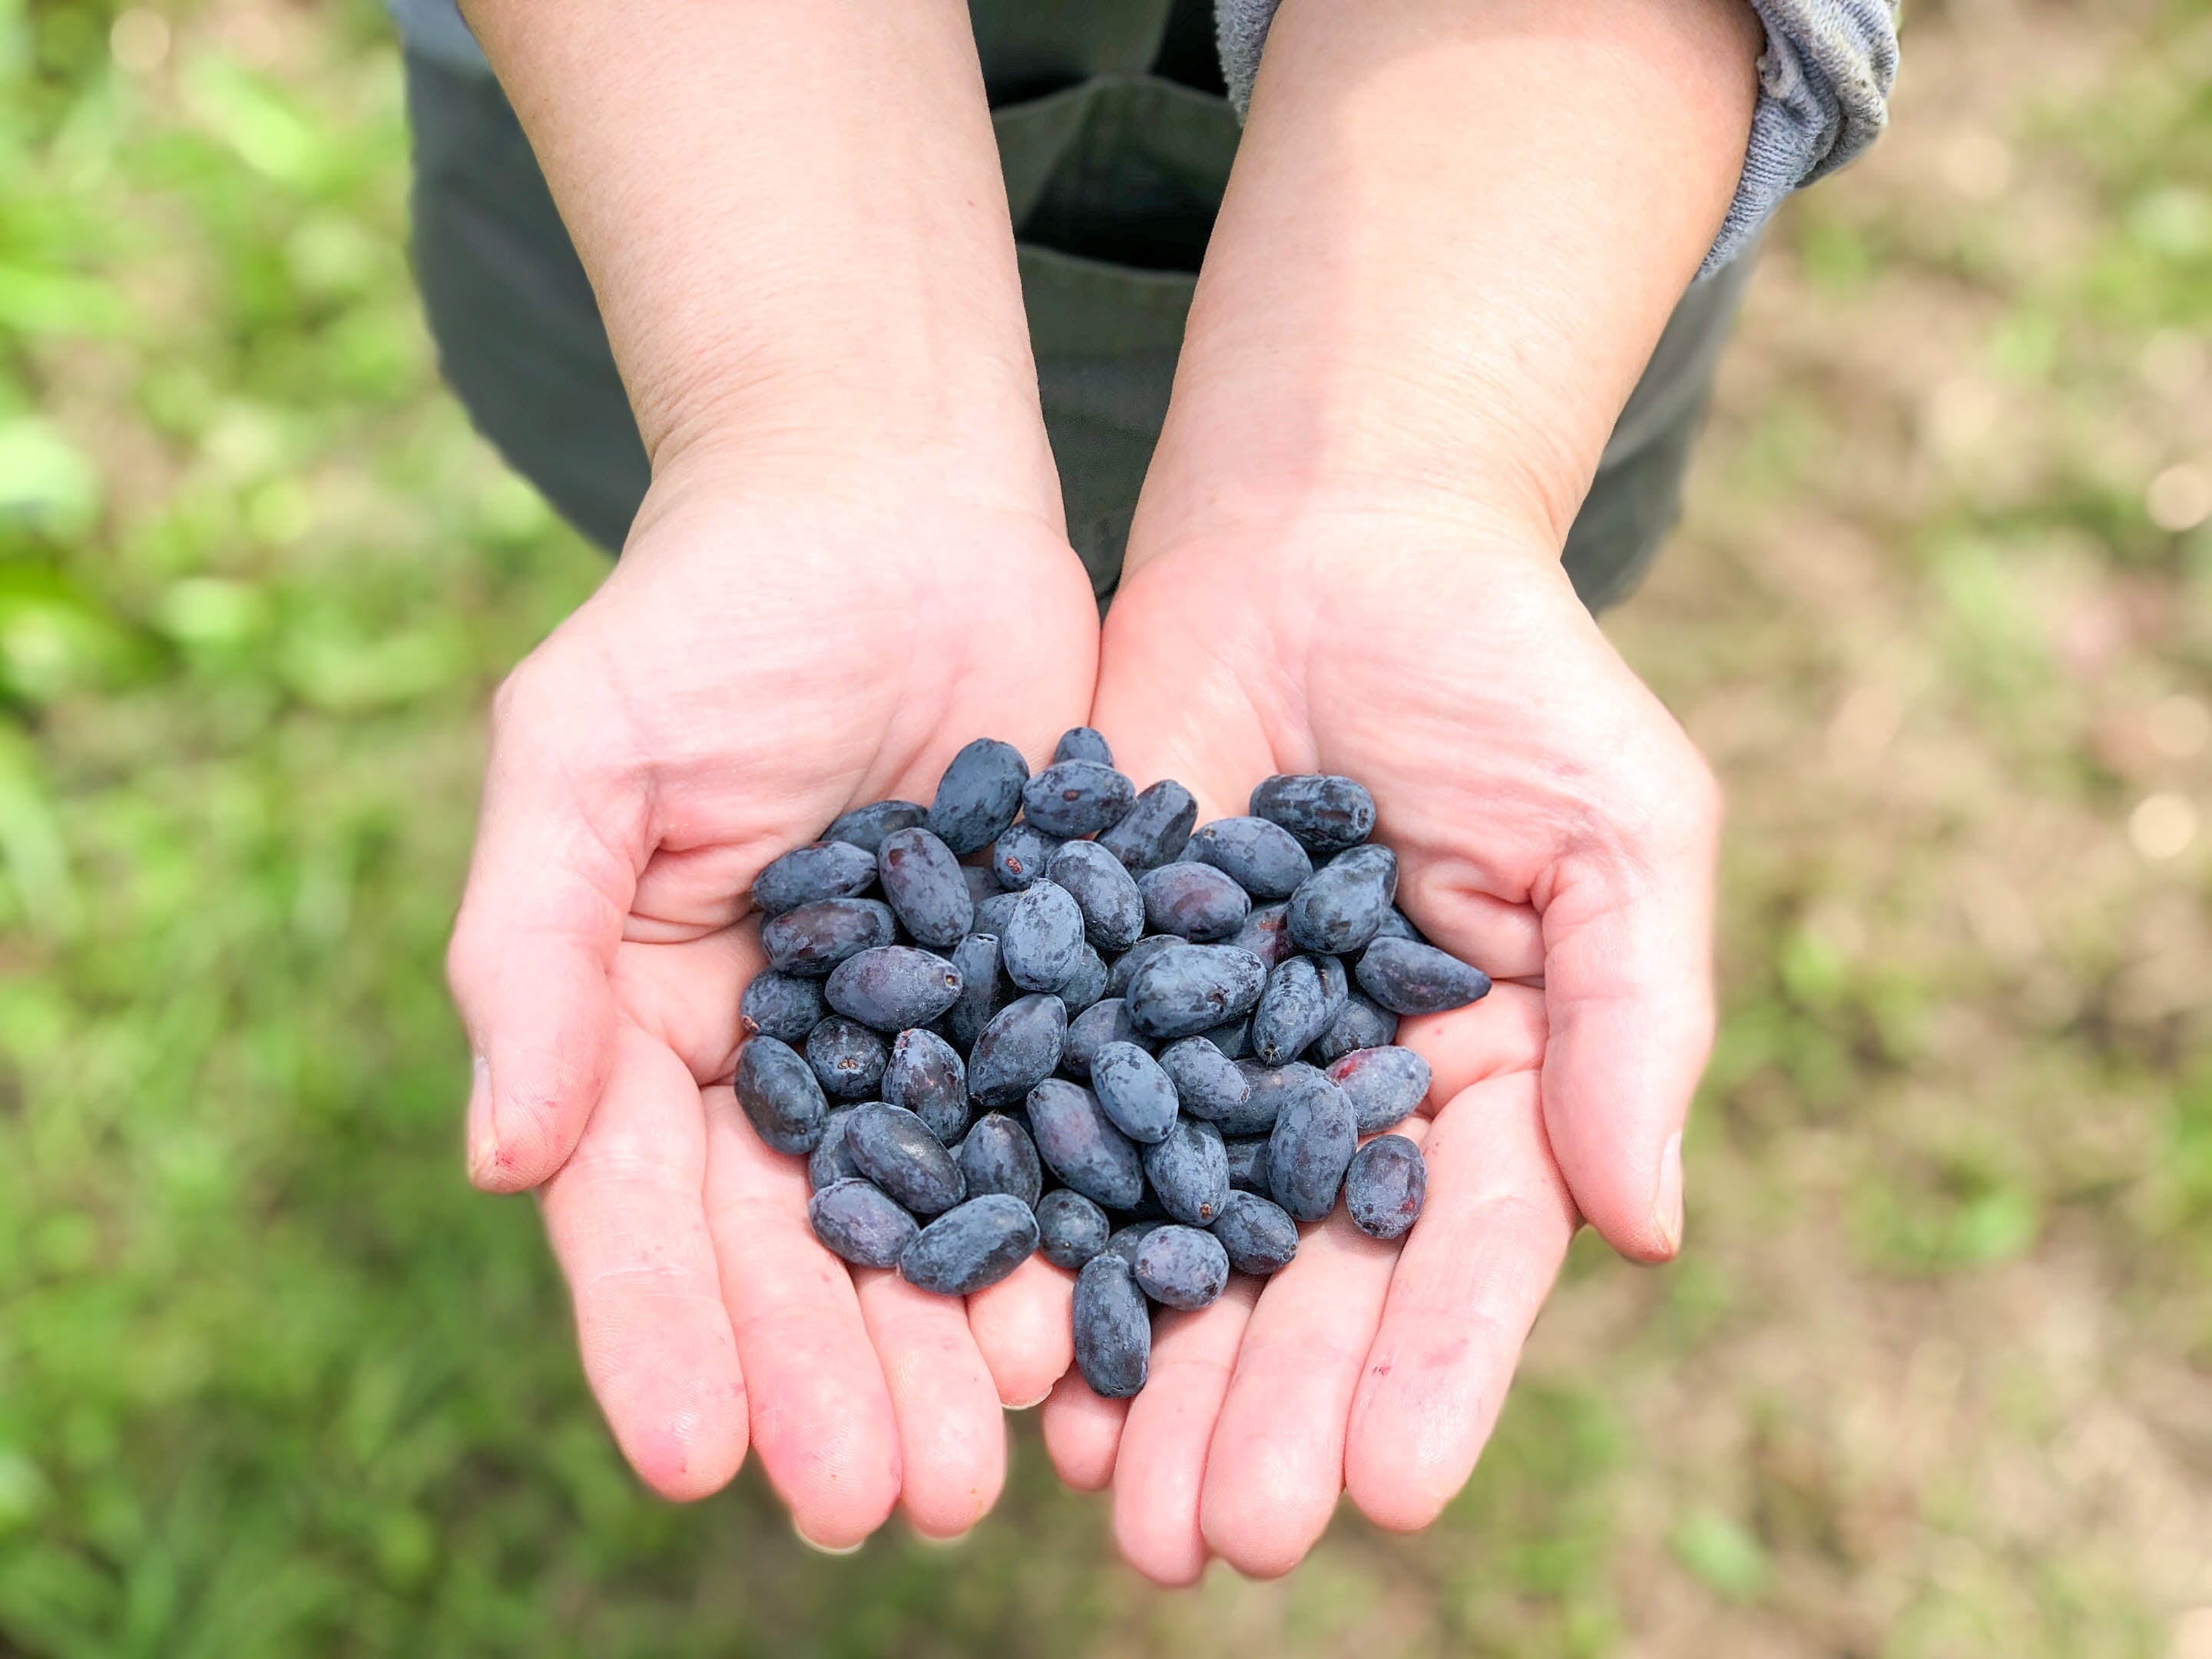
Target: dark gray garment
column 1116, row 140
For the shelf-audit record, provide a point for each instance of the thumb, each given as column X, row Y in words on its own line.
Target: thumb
column 1629, row 1000
column 549, row 884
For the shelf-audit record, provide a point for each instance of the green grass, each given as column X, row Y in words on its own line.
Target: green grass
column 1934, row 1377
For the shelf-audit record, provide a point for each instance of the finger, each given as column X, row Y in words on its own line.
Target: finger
column 1158, row 1480
column 1082, row 1433
column 1628, row 987
column 549, row 882
column 952, row 1435
column 822, row 1417
column 1276, row 1465
column 1022, row 1327
column 1474, row 1270
column 629, row 1230
column 1504, row 1032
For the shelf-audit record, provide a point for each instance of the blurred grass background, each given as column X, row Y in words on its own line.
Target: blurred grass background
column 1935, row 1377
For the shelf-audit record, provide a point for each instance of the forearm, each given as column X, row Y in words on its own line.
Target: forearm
column 791, row 215
column 1454, row 234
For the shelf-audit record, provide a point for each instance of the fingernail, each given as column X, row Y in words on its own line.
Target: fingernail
column 484, row 1139
column 1667, row 1208
column 1026, row 1405
column 823, row 1549
column 952, row 1541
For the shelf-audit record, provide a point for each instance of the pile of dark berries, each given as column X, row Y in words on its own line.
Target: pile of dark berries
column 1178, row 1042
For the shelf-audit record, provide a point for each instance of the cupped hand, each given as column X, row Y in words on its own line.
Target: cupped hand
column 775, row 646
column 1556, row 828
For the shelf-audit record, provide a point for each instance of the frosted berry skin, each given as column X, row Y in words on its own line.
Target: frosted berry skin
column 1262, row 858
column 1086, row 983
column 1191, row 988
column 1324, row 812
column 1188, row 1171
column 1194, row 901
column 971, row 1246
column 894, row 1148
column 1386, row 1186
column 848, row 1058
column 813, row 938
column 998, row 1156
column 1020, row 855
column 826, row 869
column 1292, row 1012
column 1360, row 1023
column 1385, row 1086
column 1233, row 1039
column 983, row 991
column 1043, row 939
column 1103, row 1022
column 1248, row 1165
column 1135, row 1092
column 1079, row 1144
column 1070, row 1229
column 1269, row 1089
column 1084, row 743
column 1076, row 798
column 864, row 826
column 1207, row 1082
column 1132, row 961
column 979, row 795
column 893, row 987
column 827, row 1163
column 992, row 913
column 780, row 1095
column 1017, row 1051
column 1340, row 907
column 1408, row 977
column 1125, row 1239
column 926, row 887
column 1103, row 891
column 926, row 1076
column 1258, row 1233
column 1266, row 934
column 1309, row 1149
column 860, row 1223
column 1181, row 1267
column 781, row 1005
column 1156, row 829
column 1113, row 1327
column 1397, row 925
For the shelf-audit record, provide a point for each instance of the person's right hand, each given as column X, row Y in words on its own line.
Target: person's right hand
column 778, row 644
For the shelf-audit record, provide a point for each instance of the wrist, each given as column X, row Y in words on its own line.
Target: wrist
column 947, row 420
column 1324, row 529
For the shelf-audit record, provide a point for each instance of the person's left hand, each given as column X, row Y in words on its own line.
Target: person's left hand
column 1555, row 827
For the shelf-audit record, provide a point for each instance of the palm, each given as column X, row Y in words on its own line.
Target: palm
column 1489, row 718
column 752, row 668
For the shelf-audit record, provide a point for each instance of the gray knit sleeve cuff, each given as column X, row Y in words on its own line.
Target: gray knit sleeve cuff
column 1823, row 84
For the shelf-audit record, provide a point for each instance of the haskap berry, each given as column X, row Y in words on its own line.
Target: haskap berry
column 1074, row 1021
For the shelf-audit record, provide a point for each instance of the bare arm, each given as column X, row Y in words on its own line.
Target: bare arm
column 1453, row 236
column 793, row 215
